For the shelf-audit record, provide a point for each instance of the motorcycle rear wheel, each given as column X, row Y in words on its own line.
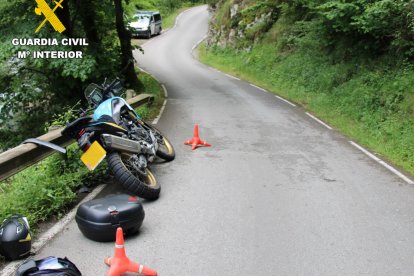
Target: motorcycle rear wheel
column 141, row 184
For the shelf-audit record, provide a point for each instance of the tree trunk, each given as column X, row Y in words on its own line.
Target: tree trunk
column 64, row 16
column 87, row 15
column 126, row 49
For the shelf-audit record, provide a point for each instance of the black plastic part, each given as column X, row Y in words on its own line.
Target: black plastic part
column 27, row 267
column 32, row 268
column 72, row 129
column 98, row 219
column 14, row 250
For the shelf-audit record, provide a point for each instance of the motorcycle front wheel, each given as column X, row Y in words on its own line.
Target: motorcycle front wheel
column 142, row 184
column 165, row 149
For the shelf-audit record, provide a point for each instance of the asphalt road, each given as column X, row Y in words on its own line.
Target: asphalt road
column 277, row 194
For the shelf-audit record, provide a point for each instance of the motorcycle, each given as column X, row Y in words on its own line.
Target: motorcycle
column 117, row 132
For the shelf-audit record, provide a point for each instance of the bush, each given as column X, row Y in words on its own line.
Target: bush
column 46, row 188
column 371, row 101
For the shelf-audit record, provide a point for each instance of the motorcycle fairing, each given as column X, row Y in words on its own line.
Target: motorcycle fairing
column 112, row 125
column 112, row 107
column 73, row 128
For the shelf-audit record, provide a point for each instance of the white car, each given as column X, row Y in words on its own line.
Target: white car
column 146, row 23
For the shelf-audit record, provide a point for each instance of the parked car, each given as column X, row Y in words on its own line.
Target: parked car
column 146, row 23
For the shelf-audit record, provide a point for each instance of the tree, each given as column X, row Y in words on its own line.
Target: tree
column 127, row 59
column 33, row 90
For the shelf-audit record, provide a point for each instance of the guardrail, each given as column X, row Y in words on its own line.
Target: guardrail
column 17, row 159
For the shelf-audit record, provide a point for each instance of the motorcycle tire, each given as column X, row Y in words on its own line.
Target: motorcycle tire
column 145, row 186
column 165, row 150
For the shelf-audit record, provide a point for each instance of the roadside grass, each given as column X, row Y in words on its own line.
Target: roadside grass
column 153, row 87
column 48, row 189
column 372, row 103
column 169, row 20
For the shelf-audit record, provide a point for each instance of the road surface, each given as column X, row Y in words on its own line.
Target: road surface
column 277, row 194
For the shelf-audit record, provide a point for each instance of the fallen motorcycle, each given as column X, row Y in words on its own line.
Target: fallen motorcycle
column 117, row 132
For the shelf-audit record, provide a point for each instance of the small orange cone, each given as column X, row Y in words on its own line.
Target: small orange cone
column 196, row 141
column 120, row 263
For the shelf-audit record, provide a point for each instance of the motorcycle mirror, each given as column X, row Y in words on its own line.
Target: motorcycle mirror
column 117, row 87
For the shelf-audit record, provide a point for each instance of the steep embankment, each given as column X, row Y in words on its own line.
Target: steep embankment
column 343, row 62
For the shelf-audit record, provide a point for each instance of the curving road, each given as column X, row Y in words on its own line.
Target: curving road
column 277, row 194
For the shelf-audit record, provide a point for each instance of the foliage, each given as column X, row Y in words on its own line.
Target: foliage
column 373, row 103
column 153, row 87
column 48, row 188
column 382, row 25
column 165, row 7
column 61, row 119
column 363, row 27
column 350, row 62
column 35, row 89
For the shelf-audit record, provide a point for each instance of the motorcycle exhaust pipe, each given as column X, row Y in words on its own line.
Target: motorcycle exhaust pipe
column 121, row 144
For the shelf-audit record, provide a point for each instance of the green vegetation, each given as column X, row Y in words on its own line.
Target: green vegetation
column 165, row 7
column 48, row 188
column 153, row 87
column 169, row 9
column 169, row 20
column 349, row 63
column 33, row 90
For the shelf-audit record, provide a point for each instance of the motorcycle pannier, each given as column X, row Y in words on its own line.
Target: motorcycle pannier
column 98, row 219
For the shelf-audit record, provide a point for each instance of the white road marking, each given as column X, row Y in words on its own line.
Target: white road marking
column 155, row 121
column 230, row 76
column 286, row 101
column 165, row 31
column 202, row 39
column 159, row 115
column 11, row 268
column 319, row 121
column 198, row 43
column 389, row 167
column 144, row 70
column 165, row 90
column 255, row 86
column 178, row 18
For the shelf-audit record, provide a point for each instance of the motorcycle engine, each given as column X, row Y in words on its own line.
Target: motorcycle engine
column 141, row 134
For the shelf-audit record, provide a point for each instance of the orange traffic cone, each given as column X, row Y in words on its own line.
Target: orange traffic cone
column 196, row 141
column 120, row 263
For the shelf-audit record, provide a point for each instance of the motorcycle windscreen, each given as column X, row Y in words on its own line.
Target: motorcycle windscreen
column 93, row 156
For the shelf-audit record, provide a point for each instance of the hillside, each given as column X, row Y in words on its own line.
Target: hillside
column 349, row 63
